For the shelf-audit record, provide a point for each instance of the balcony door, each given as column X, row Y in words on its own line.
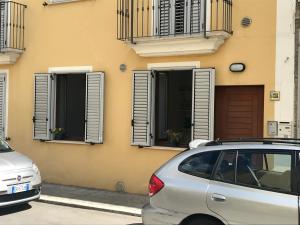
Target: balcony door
column 175, row 17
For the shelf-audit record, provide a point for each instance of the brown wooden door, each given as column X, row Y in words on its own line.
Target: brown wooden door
column 239, row 111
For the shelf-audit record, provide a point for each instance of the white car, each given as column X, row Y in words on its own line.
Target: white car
column 20, row 179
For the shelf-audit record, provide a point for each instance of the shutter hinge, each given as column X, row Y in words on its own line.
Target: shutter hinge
column 47, row 119
column 132, row 123
column 151, row 136
column 192, row 124
column 52, row 77
column 153, row 72
column 33, row 119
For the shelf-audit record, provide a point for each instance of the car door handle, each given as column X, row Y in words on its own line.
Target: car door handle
column 218, row 198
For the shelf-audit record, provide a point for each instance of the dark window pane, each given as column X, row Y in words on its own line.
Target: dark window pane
column 173, row 108
column 200, row 165
column 70, row 107
column 265, row 170
column 226, row 169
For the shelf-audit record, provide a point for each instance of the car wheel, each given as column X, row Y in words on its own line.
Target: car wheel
column 202, row 221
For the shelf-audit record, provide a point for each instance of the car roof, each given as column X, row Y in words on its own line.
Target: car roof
column 245, row 146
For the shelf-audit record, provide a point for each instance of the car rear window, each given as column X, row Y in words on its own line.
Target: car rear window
column 200, row 165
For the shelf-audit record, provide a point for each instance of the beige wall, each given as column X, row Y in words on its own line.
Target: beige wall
column 84, row 34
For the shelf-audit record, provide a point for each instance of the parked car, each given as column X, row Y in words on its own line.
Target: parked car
column 228, row 182
column 20, row 179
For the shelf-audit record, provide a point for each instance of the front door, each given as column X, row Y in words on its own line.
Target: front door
column 239, row 112
column 255, row 187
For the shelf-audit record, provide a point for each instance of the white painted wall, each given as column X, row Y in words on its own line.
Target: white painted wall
column 285, row 60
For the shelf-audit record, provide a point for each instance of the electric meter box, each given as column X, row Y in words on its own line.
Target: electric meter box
column 285, row 130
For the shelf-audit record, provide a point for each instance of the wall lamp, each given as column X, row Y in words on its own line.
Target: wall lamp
column 237, row 67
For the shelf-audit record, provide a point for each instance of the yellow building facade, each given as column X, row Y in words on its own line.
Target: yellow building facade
column 93, row 132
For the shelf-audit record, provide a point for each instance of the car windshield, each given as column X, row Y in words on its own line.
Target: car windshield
column 4, row 147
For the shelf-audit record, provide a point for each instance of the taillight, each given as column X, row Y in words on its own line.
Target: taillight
column 155, row 185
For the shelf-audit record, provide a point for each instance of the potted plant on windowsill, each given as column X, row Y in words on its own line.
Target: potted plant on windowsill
column 174, row 137
column 59, row 133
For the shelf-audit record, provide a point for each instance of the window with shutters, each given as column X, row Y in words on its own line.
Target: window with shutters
column 176, row 17
column 171, row 108
column 69, row 107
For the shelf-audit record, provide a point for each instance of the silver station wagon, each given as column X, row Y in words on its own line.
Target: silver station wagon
column 254, row 181
column 20, row 179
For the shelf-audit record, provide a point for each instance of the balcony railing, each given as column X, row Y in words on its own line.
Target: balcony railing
column 12, row 26
column 161, row 18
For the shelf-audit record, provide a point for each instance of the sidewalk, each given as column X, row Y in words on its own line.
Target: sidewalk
column 123, row 203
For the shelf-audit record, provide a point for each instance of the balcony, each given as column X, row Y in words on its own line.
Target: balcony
column 174, row 27
column 11, row 31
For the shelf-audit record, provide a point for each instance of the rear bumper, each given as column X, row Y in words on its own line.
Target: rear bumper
column 19, row 198
column 157, row 216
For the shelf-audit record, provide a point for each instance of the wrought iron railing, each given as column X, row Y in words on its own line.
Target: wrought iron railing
column 12, row 26
column 147, row 18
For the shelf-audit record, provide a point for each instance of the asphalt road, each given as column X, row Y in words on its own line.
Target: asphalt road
column 37, row 213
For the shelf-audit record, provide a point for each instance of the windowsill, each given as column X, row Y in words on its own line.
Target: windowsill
column 68, row 142
column 177, row 149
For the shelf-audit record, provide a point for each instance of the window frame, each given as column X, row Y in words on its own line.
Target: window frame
column 294, row 172
column 194, row 155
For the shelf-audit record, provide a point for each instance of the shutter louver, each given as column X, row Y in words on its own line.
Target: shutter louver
column 2, row 24
column 164, row 25
column 203, row 104
column 180, row 17
column 2, row 105
column 94, row 107
column 197, row 16
column 42, row 106
column 142, row 108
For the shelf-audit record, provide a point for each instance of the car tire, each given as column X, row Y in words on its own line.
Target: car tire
column 202, row 221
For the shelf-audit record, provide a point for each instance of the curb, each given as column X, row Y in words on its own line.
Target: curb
column 130, row 211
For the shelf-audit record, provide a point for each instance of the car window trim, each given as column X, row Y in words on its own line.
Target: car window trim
column 293, row 153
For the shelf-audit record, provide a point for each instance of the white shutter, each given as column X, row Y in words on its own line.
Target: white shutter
column 5, row 24
column 203, row 104
column 163, row 21
column 42, row 106
column 94, row 107
column 2, row 105
column 196, row 11
column 142, row 101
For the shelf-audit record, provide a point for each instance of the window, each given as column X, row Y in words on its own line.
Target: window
column 69, row 107
column 175, row 17
column 226, row 168
column 265, row 170
column 261, row 169
column 171, row 108
column 173, row 104
column 200, row 165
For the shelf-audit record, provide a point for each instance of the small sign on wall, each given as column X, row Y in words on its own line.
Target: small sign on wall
column 275, row 95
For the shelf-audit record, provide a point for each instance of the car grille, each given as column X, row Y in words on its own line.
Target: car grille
column 18, row 196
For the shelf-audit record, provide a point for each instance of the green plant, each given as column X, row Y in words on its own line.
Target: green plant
column 58, row 131
column 174, row 137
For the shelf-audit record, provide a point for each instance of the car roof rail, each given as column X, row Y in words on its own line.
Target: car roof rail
column 291, row 141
